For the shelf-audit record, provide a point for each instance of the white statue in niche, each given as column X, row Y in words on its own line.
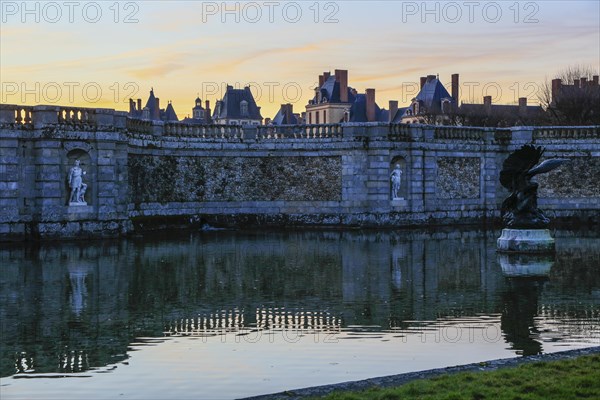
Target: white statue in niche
column 77, row 186
column 396, row 177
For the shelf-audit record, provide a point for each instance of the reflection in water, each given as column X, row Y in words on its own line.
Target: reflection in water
column 81, row 306
column 520, row 302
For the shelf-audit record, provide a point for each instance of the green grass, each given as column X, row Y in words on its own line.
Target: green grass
column 556, row 380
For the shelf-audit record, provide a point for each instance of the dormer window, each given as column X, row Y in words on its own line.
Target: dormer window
column 446, row 106
column 198, row 114
column 244, row 108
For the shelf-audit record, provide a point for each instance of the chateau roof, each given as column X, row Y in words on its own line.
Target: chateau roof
column 170, row 114
column 432, row 93
column 330, row 91
column 230, row 105
column 281, row 118
column 358, row 110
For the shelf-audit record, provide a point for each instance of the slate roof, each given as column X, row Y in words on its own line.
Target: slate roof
column 330, row 92
column 193, row 121
column 151, row 103
column 169, row 114
column 358, row 110
column 431, row 95
column 230, row 105
column 399, row 114
column 281, row 118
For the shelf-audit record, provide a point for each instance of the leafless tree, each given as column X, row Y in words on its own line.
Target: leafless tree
column 573, row 105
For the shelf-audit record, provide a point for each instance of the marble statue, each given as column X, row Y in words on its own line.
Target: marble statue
column 396, row 177
column 78, row 187
column 520, row 209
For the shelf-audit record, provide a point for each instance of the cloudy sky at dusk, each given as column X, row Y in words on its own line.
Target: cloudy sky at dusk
column 98, row 54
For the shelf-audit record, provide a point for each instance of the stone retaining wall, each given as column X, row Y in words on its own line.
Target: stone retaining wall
column 152, row 175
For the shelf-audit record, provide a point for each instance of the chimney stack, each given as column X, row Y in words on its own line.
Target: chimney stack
column 583, row 82
column 576, row 82
column 595, row 80
column 393, row 109
column 131, row 106
column 207, row 114
column 321, row 80
column 556, row 85
column 487, row 104
column 430, row 77
column 455, row 87
column 370, row 97
column 423, row 80
column 326, row 76
column 522, row 106
column 341, row 75
column 287, row 111
column 156, row 115
column 139, row 104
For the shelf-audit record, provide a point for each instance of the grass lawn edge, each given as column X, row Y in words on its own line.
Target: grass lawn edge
column 401, row 379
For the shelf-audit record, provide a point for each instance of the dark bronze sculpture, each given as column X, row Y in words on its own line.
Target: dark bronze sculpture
column 520, row 210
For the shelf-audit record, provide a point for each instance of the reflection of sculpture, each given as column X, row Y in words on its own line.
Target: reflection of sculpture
column 396, row 177
column 76, row 184
column 520, row 209
column 519, row 311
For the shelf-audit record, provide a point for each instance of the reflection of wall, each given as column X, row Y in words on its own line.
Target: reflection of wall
column 241, row 280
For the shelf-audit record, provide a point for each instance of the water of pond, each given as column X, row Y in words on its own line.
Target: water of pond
column 214, row 315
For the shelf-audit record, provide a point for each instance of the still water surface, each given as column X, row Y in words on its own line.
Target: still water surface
column 231, row 314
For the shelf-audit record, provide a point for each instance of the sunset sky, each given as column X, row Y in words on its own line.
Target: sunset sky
column 98, row 54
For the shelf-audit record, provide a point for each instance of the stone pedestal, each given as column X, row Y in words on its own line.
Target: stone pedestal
column 526, row 241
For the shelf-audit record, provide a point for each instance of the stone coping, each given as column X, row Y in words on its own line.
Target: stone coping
column 401, row 379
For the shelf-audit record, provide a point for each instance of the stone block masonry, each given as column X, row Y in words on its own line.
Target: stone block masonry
column 144, row 175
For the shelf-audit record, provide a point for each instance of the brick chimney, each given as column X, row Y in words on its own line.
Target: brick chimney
column 341, row 75
column 595, row 80
column 393, row 109
column 423, row 80
column 326, row 76
column 288, row 111
column 430, row 77
column 455, row 87
column 370, row 97
column 139, row 104
column 487, row 104
column 321, row 80
column 556, row 85
column 583, row 81
column 207, row 114
column 576, row 82
column 156, row 115
column 522, row 106
column 131, row 106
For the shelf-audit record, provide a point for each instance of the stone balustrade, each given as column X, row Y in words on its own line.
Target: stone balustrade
column 76, row 118
column 459, row 133
column 320, row 131
column 15, row 116
column 81, row 118
column 64, row 118
column 566, row 132
column 140, row 126
column 226, row 132
column 400, row 133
